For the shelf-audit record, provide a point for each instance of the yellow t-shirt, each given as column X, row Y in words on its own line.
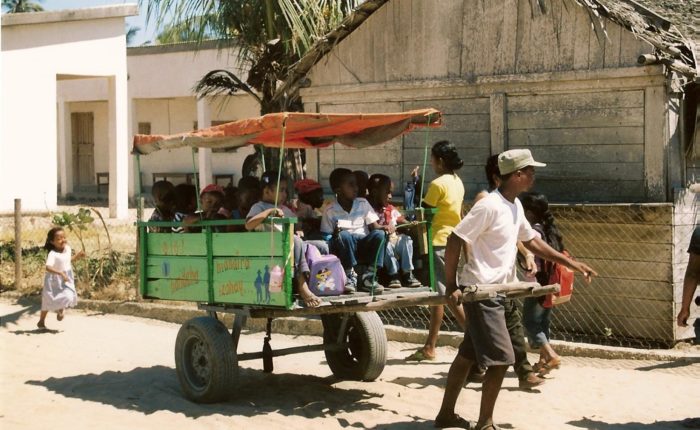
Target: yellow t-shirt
column 445, row 193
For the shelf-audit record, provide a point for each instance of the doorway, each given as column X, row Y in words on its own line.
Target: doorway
column 83, row 144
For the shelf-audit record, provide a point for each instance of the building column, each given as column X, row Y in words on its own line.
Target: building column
column 204, row 158
column 65, row 148
column 118, row 146
column 133, row 129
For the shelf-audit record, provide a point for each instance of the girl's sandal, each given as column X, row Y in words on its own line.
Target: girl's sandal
column 549, row 366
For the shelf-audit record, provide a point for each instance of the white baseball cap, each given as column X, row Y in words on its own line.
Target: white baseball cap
column 516, row 159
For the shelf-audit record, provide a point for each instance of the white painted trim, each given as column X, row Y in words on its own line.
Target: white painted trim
column 83, row 14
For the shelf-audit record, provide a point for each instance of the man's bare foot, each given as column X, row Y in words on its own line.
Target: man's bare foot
column 59, row 315
column 41, row 325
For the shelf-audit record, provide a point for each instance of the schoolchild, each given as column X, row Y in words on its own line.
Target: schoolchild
column 185, row 197
column 398, row 258
column 248, row 194
column 536, row 317
column 350, row 225
column 361, row 177
column 59, row 284
column 164, row 202
column 308, row 212
column 272, row 204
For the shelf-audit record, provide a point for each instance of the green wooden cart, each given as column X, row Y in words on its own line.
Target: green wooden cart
column 250, row 274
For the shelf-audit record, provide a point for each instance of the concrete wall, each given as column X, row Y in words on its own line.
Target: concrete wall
column 161, row 81
column 35, row 54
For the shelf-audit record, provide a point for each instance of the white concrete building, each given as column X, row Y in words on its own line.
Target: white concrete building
column 39, row 50
column 89, row 94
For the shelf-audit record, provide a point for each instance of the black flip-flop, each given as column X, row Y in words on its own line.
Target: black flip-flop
column 455, row 422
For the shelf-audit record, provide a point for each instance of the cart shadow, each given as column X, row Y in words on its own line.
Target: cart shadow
column 588, row 423
column 153, row 389
column 36, row 331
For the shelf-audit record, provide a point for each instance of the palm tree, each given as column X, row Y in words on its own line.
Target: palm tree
column 131, row 31
column 269, row 36
column 20, row 6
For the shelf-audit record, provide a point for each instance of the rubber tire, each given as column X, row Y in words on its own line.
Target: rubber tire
column 365, row 357
column 208, row 340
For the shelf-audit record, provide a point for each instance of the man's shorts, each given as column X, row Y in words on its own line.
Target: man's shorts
column 486, row 340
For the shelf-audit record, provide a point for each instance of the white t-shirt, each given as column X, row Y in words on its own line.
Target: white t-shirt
column 492, row 229
column 361, row 215
column 60, row 261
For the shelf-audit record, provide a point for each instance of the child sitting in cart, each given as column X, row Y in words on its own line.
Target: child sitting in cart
column 185, row 198
column 399, row 247
column 266, row 208
column 211, row 200
column 164, row 202
column 307, row 211
column 350, row 224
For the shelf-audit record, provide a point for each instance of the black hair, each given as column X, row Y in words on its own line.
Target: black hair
column 269, row 179
column 537, row 203
column 184, row 195
column 230, row 197
column 48, row 245
column 248, row 182
column 447, row 152
column 361, row 177
column 162, row 186
column 337, row 177
column 491, row 169
column 377, row 180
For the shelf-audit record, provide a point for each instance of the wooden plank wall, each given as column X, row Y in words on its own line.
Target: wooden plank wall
column 416, row 39
column 631, row 248
column 592, row 142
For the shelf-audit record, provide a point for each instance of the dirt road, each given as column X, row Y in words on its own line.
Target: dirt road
column 113, row 372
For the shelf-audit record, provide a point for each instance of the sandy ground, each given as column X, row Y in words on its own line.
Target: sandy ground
column 115, row 372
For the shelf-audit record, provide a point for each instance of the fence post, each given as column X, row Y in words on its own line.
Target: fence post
column 18, row 244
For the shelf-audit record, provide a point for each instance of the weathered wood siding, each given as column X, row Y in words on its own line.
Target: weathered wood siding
column 631, row 248
column 418, row 39
column 593, row 143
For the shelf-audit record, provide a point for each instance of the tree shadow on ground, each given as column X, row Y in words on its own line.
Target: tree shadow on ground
column 152, row 389
column 688, row 361
column 29, row 306
column 588, row 423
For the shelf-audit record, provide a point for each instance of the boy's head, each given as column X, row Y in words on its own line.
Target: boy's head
column 361, row 178
column 310, row 192
column 343, row 183
column 248, row 194
column 270, row 187
column 185, row 198
column 379, row 188
column 162, row 193
column 211, row 198
column 230, row 197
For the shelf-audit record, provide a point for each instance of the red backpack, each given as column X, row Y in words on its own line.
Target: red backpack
column 563, row 276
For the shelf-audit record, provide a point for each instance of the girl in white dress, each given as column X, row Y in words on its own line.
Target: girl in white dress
column 59, row 285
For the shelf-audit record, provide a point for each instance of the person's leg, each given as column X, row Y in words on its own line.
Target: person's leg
column 391, row 264
column 344, row 246
column 301, row 267
column 42, row 319
column 455, row 381
column 489, row 394
column 404, row 249
column 371, row 249
column 517, row 337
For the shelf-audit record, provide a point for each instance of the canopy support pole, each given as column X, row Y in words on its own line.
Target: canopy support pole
column 137, row 181
column 196, row 179
column 279, row 168
column 425, row 164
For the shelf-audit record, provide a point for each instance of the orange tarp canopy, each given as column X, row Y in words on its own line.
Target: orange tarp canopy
column 301, row 130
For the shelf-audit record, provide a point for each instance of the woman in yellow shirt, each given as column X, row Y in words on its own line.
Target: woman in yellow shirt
column 446, row 193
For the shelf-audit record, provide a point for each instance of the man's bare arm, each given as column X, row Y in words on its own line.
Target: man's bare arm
column 540, row 248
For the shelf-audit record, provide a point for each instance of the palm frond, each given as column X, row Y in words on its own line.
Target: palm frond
column 222, row 82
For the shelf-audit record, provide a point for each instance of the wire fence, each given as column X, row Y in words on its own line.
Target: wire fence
column 639, row 252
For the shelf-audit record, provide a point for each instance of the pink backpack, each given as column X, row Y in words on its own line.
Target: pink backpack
column 327, row 274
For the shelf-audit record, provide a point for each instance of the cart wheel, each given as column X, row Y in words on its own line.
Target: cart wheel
column 207, row 366
column 365, row 355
